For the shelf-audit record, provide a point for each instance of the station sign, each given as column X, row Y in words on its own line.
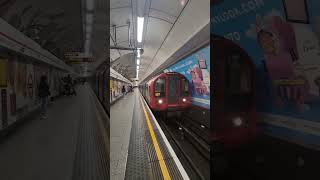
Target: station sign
column 77, row 55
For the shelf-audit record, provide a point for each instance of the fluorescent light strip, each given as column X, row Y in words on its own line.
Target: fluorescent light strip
column 138, row 61
column 138, row 53
column 140, row 28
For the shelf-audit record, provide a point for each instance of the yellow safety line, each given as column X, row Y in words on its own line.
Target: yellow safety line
column 163, row 166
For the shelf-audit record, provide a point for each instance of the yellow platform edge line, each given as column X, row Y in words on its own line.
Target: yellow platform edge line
column 163, row 165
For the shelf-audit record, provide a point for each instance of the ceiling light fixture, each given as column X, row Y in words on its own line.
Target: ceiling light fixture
column 88, row 28
column 183, row 2
column 90, row 5
column 137, row 73
column 89, row 18
column 88, row 35
column 87, row 46
column 140, row 28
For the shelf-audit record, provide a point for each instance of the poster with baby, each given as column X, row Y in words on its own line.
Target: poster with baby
column 196, row 68
column 283, row 45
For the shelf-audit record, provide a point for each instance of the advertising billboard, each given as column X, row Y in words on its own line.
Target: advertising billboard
column 196, row 68
column 282, row 40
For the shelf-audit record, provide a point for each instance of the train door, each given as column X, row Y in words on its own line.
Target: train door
column 173, row 87
column 238, row 83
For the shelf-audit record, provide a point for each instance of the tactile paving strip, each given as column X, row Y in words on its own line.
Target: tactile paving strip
column 137, row 163
column 172, row 167
column 91, row 157
column 153, row 159
column 142, row 160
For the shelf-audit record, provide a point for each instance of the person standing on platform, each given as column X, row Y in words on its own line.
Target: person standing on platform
column 123, row 90
column 44, row 93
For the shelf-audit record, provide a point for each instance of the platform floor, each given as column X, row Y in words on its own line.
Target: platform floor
column 121, row 113
column 139, row 148
column 67, row 145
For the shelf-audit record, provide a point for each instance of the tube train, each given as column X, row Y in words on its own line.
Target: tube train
column 234, row 103
column 167, row 92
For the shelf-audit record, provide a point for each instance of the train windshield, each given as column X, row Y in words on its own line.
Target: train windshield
column 160, row 88
column 238, row 82
column 185, row 87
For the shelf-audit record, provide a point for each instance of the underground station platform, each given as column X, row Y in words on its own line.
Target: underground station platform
column 145, row 152
column 71, row 143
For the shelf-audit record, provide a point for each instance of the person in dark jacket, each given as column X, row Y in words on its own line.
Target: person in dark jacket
column 123, row 89
column 44, row 92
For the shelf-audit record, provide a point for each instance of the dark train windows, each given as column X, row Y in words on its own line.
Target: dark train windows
column 159, row 88
column 233, row 70
column 245, row 78
column 184, row 87
column 238, row 82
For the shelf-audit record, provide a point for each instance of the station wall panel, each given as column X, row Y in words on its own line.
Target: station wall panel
column 20, row 78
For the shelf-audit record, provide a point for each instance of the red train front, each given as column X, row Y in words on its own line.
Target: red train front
column 167, row 92
column 234, row 107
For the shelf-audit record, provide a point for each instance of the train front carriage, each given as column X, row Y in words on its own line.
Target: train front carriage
column 168, row 92
column 235, row 118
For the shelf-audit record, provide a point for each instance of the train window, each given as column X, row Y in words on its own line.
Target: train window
column 159, row 87
column 185, row 87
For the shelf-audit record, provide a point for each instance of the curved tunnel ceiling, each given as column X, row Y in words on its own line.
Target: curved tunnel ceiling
column 168, row 25
column 125, row 65
column 55, row 25
column 58, row 26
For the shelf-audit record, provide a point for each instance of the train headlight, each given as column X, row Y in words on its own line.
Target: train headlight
column 160, row 101
column 237, row 121
column 184, row 99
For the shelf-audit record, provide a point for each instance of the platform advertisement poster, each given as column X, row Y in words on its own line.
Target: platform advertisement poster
column 11, row 85
column 4, row 111
column 3, row 98
column 30, row 81
column 21, row 79
column 3, row 72
column 282, row 40
column 37, row 75
column 196, row 68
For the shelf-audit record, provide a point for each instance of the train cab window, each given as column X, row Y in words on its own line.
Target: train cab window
column 184, row 87
column 159, row 88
